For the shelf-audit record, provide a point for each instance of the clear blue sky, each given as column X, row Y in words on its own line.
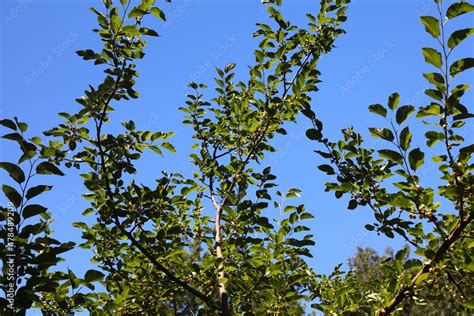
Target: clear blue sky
column 41, row 75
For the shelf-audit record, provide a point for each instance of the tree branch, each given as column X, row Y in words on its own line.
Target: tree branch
column 110, row 196
column 442, row 250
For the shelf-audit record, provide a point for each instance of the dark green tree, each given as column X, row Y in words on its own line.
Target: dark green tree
column 28, row 250
column 216, row 241
column 435, row 221
column 441, row 295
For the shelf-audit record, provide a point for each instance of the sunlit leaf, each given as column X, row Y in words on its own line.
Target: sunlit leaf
column 432, row 56
column 157, row 12
column 391, row 155
column 431, row 25
column 378, row 109
column 460, row 65
column 393, row 101
column 458, row 36
column 459, row 8
column 405, row 138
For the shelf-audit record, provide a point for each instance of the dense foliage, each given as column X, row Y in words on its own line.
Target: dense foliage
column 440, row 295
column 435, row 222
column 223, row 240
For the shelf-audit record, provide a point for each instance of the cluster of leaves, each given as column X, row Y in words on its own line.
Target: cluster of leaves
column 28, row 250
column 158, row 247
column 34, row 251
column 371, row 277
column 388, row 182
column 233, row 133
column 224, row 240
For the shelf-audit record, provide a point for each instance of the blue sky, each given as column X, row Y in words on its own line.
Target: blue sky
column 381, row 53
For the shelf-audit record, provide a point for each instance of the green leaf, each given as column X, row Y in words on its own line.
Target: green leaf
column 313, row 134
column 383, row 133
column 149, row 32
column 229, row 67
column 87, row 54
column 467, row 149
column 391, row 155
column 12, row 195
column 14, row 171
column 458, row 36
column 326, row 168
column 388, row 232
column 439, row 159
column 116, row 23
column 460, row 65
column 416, row 158
column 435, row 94
column 430, row 110
column 22, row 126
column 431, row 25
column 404, row 112
column 399, row 199
column 378, row 109
column 136, row 13
column 433, row 137
column 292, row 193
column 309, row 113
column 393, row 100
column 432, row 56
column 405, row 138
column 36, row 140
column 34, row 191
column 8, row 123
column 156, row 150
column 88, row 211
column 436, row 79
column 73, row 279
column 13, row 136
column 93, row 276
column 306, row 216
column 460, row 89
column 131, row 30
column 48, row 168
column 47, row 258
column 32, row 210
column 352, row 205
column 401, row 255
column 422, row 277
column 158, row 13
column 169, row 147
column 369, row 227
column 459, row 8
column 259, row 56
